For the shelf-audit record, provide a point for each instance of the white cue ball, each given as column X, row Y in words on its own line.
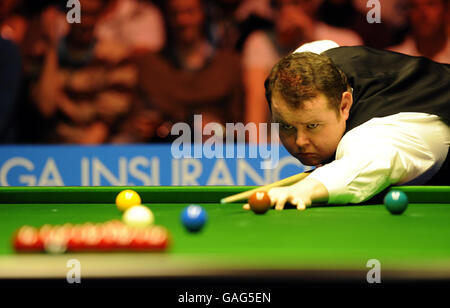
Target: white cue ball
column 138, row 216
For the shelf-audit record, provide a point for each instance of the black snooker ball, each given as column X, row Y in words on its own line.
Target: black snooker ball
column 396, row 202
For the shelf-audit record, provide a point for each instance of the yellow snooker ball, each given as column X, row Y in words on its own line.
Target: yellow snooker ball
column 138, row 216
column 126, row 199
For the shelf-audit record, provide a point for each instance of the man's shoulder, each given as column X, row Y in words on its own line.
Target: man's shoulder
column 381, row 59
column 361, row 49
column 366, row 54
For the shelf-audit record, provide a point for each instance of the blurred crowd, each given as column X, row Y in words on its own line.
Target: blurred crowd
column 133, row 68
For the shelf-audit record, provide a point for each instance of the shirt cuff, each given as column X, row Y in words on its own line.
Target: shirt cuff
column 331, row 177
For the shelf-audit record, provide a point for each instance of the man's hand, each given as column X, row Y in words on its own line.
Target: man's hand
column 301, row 195
column 297, row 196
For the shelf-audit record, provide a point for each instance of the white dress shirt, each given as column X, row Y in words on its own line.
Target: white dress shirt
column 405, row 148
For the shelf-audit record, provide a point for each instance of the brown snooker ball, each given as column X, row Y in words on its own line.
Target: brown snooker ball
column 259, row 202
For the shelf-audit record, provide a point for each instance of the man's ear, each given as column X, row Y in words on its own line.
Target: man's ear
column 346, row 104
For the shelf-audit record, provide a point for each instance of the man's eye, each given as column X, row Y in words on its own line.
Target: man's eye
column 286, row 126
column 312, row 126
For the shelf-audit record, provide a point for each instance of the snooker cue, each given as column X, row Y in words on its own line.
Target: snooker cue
column 246, row 194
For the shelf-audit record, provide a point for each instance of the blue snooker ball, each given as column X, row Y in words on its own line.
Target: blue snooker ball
column 194, row 217
column 396, row 202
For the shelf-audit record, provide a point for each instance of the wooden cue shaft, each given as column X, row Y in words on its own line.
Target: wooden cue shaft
column 246, row 194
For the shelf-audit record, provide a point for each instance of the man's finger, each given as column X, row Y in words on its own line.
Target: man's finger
column 301, row 206
column 280, row 202
column 299, row 203
column 246, row 206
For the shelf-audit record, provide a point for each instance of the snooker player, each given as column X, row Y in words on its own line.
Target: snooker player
column 366, row 118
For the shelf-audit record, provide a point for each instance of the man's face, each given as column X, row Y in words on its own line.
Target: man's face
column 427, row 17
column 312, row 132
column 186, row 19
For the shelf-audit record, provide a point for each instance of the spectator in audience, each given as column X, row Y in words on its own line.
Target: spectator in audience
column 36, row 37
column 189, row 76
column 83, row 89
column 137, row 25
column 33, row 47
column 343, row 14
column 295, row 24
column 429, row 21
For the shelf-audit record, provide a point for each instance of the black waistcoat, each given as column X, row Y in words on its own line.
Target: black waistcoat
column 386, row 83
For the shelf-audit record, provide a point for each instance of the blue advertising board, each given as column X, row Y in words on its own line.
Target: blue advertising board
column 137, row 165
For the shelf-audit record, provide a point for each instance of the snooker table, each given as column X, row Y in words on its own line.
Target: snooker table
column 324, row 244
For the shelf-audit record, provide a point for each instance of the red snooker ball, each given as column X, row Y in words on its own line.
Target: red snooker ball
column 259, row 202
column 27, row 239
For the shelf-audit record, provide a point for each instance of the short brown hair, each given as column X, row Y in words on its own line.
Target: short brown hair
column 303, row 76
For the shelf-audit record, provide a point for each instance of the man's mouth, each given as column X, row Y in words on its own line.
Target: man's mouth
column 305, row 154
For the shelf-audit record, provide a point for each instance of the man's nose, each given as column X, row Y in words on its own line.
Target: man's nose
column 302, row 140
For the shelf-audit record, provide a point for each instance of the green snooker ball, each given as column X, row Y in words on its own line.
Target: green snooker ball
column 396, row 202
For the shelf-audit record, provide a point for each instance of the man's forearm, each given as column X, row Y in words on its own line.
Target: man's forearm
column 46, row 87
